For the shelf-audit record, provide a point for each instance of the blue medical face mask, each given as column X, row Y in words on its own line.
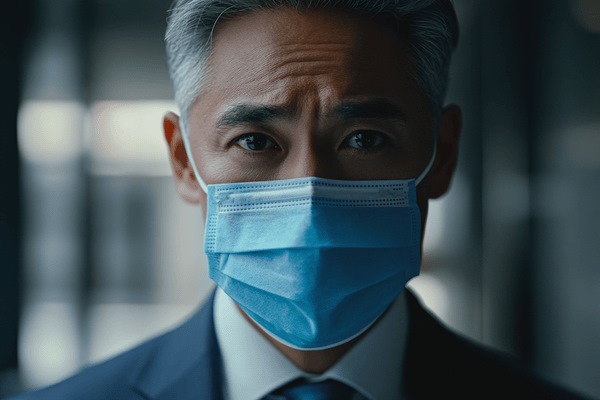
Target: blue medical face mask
column 314, row 262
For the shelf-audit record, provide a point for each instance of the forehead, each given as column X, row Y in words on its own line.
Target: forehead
column 284, row 55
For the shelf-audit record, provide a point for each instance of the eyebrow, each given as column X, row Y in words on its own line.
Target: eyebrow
column 244, row 113
column 371, row 109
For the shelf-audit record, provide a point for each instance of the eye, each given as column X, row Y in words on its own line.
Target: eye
column 365, row 139
column 256, row 142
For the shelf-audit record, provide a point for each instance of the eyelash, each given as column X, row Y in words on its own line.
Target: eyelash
column 384, row 140
column 377, row 135
column 235, row 142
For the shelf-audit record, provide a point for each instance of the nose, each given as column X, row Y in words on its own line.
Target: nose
column 310, row 161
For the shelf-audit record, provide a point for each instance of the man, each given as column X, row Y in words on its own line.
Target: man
column 313, row 135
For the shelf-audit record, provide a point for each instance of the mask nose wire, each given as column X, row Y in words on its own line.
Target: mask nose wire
column 186, row 144
column 188, row 151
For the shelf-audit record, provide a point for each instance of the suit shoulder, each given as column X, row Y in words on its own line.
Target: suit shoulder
column 107, row 379
column 439, row 359
column 167, row 356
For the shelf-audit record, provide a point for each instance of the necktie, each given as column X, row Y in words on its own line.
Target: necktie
column 304, row 390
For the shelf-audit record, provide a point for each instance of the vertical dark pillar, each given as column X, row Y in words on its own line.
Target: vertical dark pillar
column 12, row 40
column 528, row 19
column 511, row 66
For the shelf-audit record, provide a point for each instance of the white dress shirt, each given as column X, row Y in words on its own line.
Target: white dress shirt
column 253, row 367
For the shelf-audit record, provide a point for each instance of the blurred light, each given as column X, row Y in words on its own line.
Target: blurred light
column 115, row 328
column 447, row 221
column 587, row 13
column 434, row 293
column 49, row 343
column 50, row 131
column 507, row 197
column 582, row 145
column 127, row 138
column 435, row 229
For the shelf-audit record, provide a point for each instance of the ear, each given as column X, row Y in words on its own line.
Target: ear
column 183, row 172
column 447, row 151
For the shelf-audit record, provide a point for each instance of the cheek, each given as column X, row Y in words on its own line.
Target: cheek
column 218, row 167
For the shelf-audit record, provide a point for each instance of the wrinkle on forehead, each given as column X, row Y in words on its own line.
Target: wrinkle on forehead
column 304, row 59
column 267, row 67
column 310, row 60
column 281, row 35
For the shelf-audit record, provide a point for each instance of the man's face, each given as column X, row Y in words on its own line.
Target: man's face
column 313, row 93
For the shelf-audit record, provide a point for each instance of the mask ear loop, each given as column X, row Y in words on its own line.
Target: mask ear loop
column 188, row 151
column 429, row 166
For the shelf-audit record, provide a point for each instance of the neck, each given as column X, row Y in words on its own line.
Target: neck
column 311, row 361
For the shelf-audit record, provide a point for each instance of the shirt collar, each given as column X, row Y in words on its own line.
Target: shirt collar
column 253, row 367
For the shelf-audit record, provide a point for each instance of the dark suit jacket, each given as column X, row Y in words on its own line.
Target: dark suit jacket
column 185, row 364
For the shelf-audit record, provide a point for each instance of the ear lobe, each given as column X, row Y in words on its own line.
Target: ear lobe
column 183, row 172
column 447, row 151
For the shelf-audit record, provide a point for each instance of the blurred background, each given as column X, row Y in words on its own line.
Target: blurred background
column 97, row 252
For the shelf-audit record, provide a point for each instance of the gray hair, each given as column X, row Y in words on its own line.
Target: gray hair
column 431, row 27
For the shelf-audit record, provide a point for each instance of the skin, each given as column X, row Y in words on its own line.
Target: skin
column 306, row 68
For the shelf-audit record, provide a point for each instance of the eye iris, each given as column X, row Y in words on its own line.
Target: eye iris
column 365, row 140
column 255, row 142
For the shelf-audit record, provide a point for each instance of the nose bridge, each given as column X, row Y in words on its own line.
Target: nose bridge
column 309, row 158
column 310, row 152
